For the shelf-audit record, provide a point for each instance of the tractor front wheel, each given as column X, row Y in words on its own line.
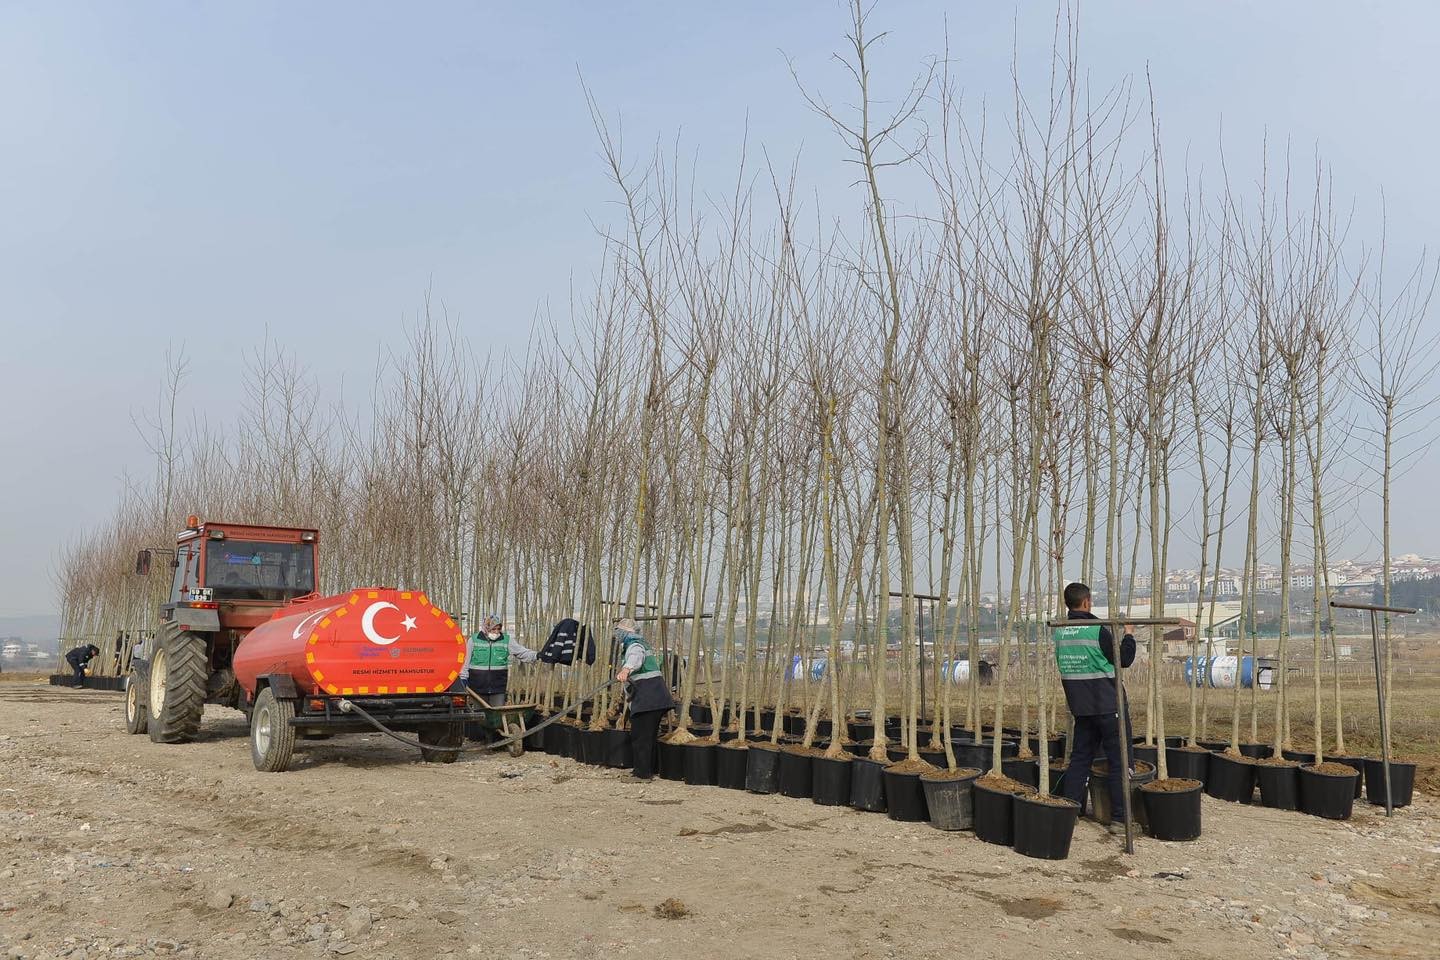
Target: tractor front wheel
column 136, row 718
column 175, row 698
column 272, row 738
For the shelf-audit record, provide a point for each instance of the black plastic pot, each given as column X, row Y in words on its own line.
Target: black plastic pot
column 896, row 752
column 795, row 774
column 1143, row 773
column 672, row 761
column 1214, row 745
column 857, row 749
column 730, row 768
column 1026, row 770
column 830, row 781
column 978, row 755
column 1057, row 746
column 727, row 735
column 904, row 797
column 1327, row 795
column 994, row 815
column 1358, row 763
column 1257, row 751
column 699, row 713
column 936, row 758
column 535, row 742
column 950, row 801
column 1299, row 756
column 1172, row 814
column 699, row 763
column 1174, row 741
column 592, row 747
column 862, row 730
column 1230, row 778
column 616, row 749
column 762, row 769
column 1150, row 754
column 1402, row 782
column 1186, row 764
column 867, row 784
column 1043, row 829
column 569, row 740
column 1057, row 778
column 1279, row 785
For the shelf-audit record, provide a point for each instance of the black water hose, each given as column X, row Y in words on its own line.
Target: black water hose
column 350, row 706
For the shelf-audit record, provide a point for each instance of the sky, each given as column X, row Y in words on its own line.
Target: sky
column 213, row 174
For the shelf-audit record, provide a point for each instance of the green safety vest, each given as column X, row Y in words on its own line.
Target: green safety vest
column 1078, row 654
column 487, row 654
column 651, row 666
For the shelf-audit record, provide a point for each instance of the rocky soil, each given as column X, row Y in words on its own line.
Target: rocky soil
column 111, row 846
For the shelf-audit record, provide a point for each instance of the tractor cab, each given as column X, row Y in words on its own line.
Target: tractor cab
column 235, row 575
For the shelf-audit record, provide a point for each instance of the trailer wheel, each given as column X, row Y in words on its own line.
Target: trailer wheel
column 175, row 698
column 435, row 738
column 136, row 718
column 272, row 739
column 517, row 747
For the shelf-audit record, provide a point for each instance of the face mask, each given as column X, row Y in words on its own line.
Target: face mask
column 493, row 635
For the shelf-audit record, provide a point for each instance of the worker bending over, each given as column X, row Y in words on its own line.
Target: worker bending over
column 487, row 661
column 649, row 696
column 1085, row 656
column 79, row 658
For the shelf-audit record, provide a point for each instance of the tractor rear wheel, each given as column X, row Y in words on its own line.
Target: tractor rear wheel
column 176, row 695
column 435, row 739
column 272, row 738
column 136, row 718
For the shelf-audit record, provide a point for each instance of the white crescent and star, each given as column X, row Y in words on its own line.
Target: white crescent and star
column 367, row 623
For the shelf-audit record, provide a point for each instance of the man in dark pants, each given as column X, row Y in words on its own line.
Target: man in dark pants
column 79, row 658
column 650, row 698
column 1085, row 656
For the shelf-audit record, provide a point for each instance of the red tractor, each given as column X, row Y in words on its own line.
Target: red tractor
column 245, row 627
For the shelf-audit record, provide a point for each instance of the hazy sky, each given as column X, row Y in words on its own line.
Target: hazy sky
column 197, row 173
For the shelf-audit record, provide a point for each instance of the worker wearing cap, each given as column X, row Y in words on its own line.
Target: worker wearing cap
column 650, row 698
column 487, row 661
column 79, row 658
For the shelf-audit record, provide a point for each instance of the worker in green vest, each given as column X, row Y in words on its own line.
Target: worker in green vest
column 488, row 656
column 649, row 696
column 1085, row 656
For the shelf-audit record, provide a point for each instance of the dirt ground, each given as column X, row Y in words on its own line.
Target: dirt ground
column 111, row 846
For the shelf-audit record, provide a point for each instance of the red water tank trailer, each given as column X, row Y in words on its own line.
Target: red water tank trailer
column 374, row 641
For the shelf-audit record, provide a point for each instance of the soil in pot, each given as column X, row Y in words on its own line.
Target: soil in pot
column 1279, row 782
column 904, row 797
column 795, row 771
column 731, row 759
column 1044, row 825
column 1328, row 790
column 950, row 797
column 867, row 784
column 1402, row 781
column 762, row 768
column 1231, row 778
column 1024, row 769
column 700, row 762
column 1188, row 763
column 1172, row 808
column 1141, row 773
column 830, row 780
column 994, row 808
